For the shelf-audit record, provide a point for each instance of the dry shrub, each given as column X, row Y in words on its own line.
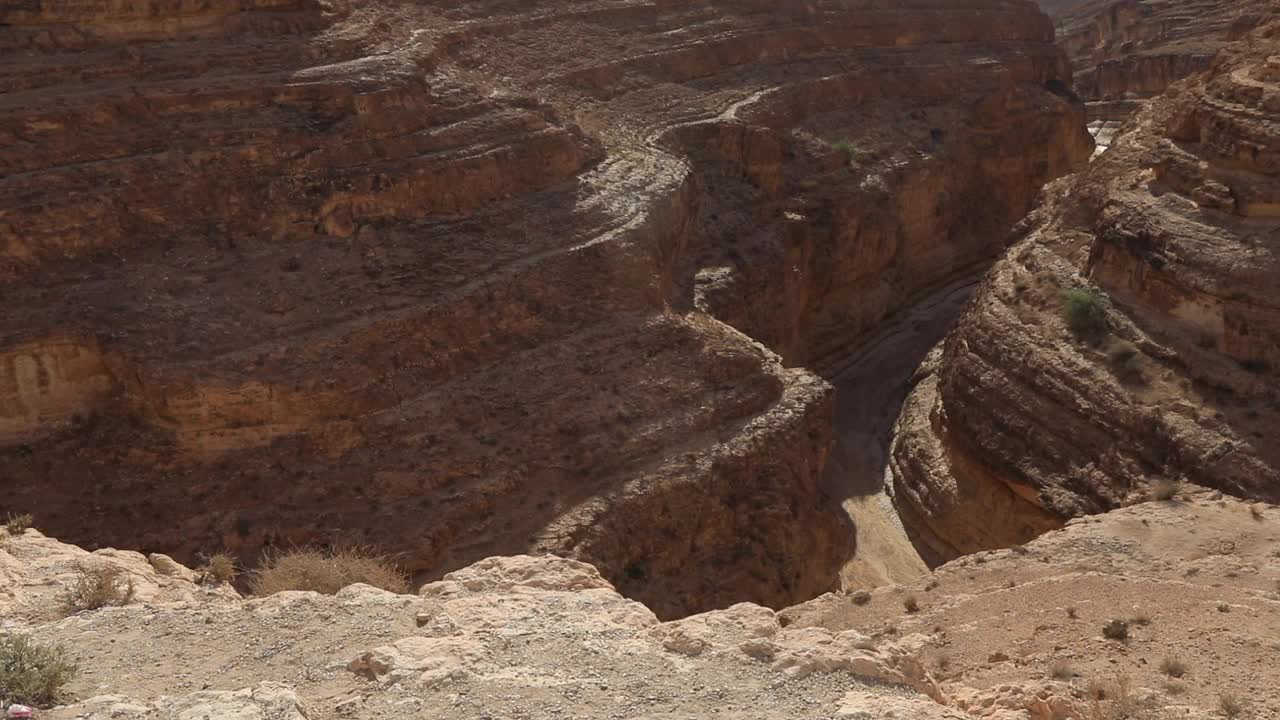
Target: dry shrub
column 18, row 524
column 910, row 604
column 219, row 568
column 98, row 585
column 1173, row 667
column 326, row 571
column 1165, row 489
column 1116, row 630
column 1114, row 700
column 31, row 673
column 1230, row 705
column 1126, row 361
column 1062, row 670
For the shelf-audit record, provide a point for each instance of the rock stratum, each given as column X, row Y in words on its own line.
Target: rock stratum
column 1169, row 245
column 1123, row 51
column 462, row 279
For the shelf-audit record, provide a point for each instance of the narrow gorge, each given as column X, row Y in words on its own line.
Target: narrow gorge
column 455, row 280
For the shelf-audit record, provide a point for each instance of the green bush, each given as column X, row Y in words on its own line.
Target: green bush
column 843, row 146
column 1085, row 311
column 31, row 673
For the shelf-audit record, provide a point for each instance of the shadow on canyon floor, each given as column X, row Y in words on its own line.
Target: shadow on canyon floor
column 870, row 389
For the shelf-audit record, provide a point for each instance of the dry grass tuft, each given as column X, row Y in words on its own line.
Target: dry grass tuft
column 219, row 568
column 326, row 571
column 1173, row 667
column 910, row 604
column 18, row 524
column 1165, row 489
column 31, row 673
column 1072, row 613
column 1230, row 705
column 98, row 585
column 1116, row 630
column 1062, row 670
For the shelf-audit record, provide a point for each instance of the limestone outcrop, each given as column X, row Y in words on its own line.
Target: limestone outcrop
column 1012, row 634
column 37, row 572
column 1017, row 633
column 462, row 279
column 510, row 636
column 1130, row 337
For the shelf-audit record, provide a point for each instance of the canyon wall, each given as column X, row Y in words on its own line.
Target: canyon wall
column 1132, row 334
column 1133, row 49
column 455, row 279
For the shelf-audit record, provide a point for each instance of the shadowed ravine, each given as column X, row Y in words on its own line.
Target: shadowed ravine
column 870, row 389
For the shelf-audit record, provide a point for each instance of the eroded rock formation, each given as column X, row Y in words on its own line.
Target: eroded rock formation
column 462, row 278
column 1126, row 50
column 1131, row 335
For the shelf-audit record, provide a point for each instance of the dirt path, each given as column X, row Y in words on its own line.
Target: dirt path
column 870, row 390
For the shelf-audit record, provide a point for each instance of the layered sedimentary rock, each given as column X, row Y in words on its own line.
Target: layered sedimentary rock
column 1131, row 335
column 1124, row 50
column 454, row 278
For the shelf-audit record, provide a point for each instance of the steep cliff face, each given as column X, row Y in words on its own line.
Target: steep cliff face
column 1133, row 334
column 1129, row 49
column 461, row 278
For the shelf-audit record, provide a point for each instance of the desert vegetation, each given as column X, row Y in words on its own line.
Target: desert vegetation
column 1165, row 489
column 325, row 571
column 98, row 585
column 1116, row 630
column 219, row 568
column 1084, row 311
column 32, row 673
column 16, row 524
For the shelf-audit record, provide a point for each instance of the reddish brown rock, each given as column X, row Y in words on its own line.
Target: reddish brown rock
column 456, row 279
column 1132, row 49
column 1174, row 236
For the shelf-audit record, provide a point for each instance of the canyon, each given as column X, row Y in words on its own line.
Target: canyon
column 731, row 358
column 456, row 280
